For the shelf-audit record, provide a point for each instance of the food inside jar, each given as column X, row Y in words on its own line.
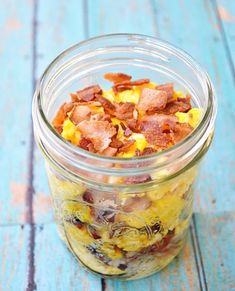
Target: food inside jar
column 129, row 235
column 133, row 118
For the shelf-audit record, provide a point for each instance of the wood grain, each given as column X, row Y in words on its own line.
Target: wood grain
column 15, row 108
column 66, row 273
column 215, row 197
column 13, row 257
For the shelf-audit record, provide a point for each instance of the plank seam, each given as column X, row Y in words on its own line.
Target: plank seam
column 198, row 255
column 155, row 13
column 224, row 38
column 85, row 18
column 103, row 284
column 30, row 190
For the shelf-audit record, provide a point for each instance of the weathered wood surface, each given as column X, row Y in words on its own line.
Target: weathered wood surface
column 32, row 34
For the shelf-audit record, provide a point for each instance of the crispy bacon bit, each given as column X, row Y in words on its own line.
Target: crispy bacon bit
column 115, row 143
column 108, row 106
column 74, row 97
column 175, row 106
column 93, row 232
column 88, row 197
column 153, row 128
column 138, row 179
column 80, row 113
column 152, row 100
column 84, row 143
column 77, row 222
column 182, row 130
column 86, row 94
column 162, row 245
column 133, row 125
column 127, row 144
column 148, row 151
column 117, row 77
column 121, row 88
column 127, row 85
column 109, row 152
column 136, row 203
column 98, row 132
column 137, row 153
column 61, row 115
column 169, row 89
column 124, row 110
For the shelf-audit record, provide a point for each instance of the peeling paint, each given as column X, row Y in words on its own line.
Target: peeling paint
column 225, row 14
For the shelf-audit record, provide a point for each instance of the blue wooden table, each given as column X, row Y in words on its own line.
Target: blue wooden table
column 32, row 33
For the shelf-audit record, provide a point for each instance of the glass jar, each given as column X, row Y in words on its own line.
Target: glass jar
column 122, row 217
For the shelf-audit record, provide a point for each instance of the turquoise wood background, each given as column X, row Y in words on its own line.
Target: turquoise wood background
column 32, row 33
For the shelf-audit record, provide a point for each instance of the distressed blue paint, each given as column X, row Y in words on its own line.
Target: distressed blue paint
column 203, row 40
column 65, row 272
column 130, row 16
column 15, row 107
column 216, row 188
column 13, row 257
column 59, row 26
column 226, row 11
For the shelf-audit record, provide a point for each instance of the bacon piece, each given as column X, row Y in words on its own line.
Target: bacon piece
column 136, row 203
column 107, row 105
column 80, row 113
column 115, row 143
column 181, row 131
column 176, row 106
column 74, row 97
column 162, row 245
column 153, row 128
column 109, row 152
column 133, row 125
column 126, row 145
column 88, row 197
column 161, row 120
column 152, row 100
column 61, row 115
column 124, row 110
column 117, row 77
column 86, row 94
column 98, row 132
column 169, row 89
column 84, row 143
column 138, row 179
column 121, row 88
column 148, row 151
column 127, row 85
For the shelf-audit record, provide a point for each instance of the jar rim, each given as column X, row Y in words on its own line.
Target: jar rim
column 207, row 119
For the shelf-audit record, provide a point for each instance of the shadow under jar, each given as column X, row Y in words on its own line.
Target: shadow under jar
column 122, row 217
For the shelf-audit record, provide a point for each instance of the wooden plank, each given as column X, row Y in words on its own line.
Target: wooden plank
column 226, row 14
column 217, row 237
column 51, row 254
column 215, row 197
column 103, row 18
column 15, row 108
column 13, row 257
column 130, row 16
column 59, row 26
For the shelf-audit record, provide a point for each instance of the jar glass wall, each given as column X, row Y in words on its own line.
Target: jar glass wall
column 122, row 217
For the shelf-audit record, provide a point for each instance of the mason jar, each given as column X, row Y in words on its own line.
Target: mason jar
column 122, row 217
